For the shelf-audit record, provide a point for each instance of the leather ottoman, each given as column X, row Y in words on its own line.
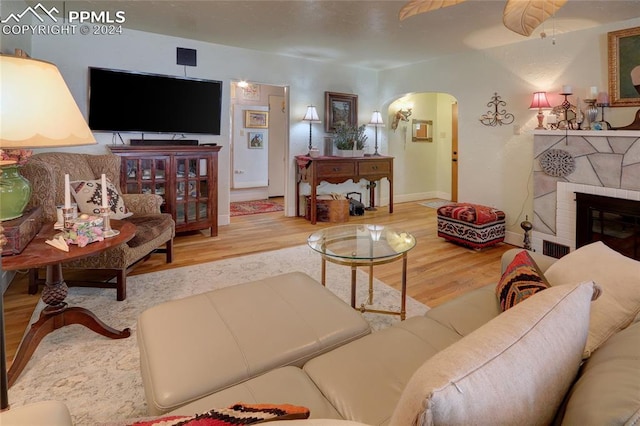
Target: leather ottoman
column 472, row 225
column 193, row 347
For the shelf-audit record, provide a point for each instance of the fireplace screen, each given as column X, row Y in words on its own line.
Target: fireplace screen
column 614, row 221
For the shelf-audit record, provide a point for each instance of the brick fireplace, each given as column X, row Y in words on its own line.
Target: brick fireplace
column 603, row 163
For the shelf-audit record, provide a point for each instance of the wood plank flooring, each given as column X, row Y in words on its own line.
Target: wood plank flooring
column 437, row 270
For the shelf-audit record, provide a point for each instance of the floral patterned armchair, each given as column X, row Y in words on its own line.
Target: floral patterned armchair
column 154, row 229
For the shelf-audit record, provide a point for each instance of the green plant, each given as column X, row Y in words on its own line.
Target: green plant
column 345, row 137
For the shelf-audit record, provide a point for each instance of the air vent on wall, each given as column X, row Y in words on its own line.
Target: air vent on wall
column 554, row 249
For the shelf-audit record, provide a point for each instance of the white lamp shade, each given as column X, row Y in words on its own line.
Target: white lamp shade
column 311, row 115
column 376, row 119
column 36, row 107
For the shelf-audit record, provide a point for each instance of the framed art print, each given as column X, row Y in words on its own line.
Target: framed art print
column 624, row 67
column 256, row 119
column 256, row 140
column 340, row 108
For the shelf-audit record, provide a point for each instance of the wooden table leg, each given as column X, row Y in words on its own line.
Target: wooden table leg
column 371, row 284
column 403, row 303
column 353, row 286
column 57, row 315
column 324, row 271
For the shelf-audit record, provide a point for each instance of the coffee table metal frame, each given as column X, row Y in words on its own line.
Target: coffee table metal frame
column 321, row 242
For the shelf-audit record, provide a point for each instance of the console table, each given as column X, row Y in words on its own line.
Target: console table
column 341, row 169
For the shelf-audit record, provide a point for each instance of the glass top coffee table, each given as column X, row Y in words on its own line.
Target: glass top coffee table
column 364, row 245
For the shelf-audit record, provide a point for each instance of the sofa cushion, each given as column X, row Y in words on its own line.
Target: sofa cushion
column 467, row 312
column 521, row 279
column 608, row 390
column 148, row 227
column 616, row 274
column 282, row 320
column 88, row 196
column 517, row 366
column 364, row 379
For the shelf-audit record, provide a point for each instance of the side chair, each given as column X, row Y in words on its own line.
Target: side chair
column 154, row 230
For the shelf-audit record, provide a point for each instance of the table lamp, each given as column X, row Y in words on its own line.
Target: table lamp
column 540, row 102
column 37, row 110
column 312, row 117
column 376, row 121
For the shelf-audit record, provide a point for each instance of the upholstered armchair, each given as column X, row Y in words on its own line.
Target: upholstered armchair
column 154, row 229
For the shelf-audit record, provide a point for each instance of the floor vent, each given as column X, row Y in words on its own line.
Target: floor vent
column 554, row 249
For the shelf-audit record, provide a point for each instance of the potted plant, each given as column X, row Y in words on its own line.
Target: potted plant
column 350, row 140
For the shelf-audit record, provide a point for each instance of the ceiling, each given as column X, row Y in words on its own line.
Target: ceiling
column 359, row 33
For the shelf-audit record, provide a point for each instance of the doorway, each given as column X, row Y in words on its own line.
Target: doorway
column 423, row 166
column 259, row 141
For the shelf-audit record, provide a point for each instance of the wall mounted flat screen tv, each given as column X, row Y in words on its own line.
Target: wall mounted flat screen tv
column 125, row 101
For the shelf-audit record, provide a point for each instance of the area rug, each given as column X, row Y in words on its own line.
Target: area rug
column 99, row 378
column 241, row 208
column 435, row 204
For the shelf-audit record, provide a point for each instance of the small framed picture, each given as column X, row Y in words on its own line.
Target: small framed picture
column 256, row 140
column 256, row 119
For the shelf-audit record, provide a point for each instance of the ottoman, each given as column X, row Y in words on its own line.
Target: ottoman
column 471, row 225
column 193, row 347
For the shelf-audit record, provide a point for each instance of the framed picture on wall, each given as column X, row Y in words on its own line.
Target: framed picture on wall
column 256, row 119
column 256, row 140
column 340, row 108
column 624, row 67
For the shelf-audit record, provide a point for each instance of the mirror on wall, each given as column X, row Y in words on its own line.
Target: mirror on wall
column 421, row 130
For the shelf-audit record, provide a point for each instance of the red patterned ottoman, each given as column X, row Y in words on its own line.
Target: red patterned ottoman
column 472, row 225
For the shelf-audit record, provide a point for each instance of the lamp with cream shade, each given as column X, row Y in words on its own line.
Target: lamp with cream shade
column 36, row 111
column 376, row 121
column 312, row 117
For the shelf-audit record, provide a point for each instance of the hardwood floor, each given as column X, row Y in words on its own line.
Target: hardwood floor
column 437, row 270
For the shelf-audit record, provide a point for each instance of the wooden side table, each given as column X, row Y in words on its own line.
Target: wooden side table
column 57, row 314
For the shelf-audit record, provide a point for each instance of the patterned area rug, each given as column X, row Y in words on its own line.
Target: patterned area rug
column 242, row 208
column 99, row 378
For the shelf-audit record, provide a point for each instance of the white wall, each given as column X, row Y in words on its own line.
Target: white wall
column 495, row 163
column 146, row 52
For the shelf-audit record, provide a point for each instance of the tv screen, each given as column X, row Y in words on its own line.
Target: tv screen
column 125, row 101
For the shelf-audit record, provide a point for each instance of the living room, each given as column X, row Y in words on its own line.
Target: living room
column 495, row 163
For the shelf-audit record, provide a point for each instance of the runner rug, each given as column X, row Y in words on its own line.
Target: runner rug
column 99, row 378
column 242, row 208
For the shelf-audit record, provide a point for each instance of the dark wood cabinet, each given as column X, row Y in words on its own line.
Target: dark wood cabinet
column 186, row 177
column 341, row 169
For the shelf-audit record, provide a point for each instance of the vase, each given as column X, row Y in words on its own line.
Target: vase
column 15, row 191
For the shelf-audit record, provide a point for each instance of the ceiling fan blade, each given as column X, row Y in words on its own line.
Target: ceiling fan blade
column 415, row 7
column 524, row 16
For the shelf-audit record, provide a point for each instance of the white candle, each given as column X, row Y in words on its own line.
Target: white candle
column 593, row 92
column 104, row 191
column 566, row 89
column 67, row 192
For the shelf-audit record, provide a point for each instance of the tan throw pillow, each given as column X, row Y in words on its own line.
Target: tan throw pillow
column 88, row 196
column 515, row 368
column 520, row 280
column 619, row 278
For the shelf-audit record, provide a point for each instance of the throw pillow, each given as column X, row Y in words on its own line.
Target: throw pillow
column 88, row 196
column 237, row 414
column 520, row 280
column 518, row 366
column 616, row 274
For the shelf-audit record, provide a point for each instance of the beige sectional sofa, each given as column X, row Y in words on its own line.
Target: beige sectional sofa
column 464, row 362
column 555, row 358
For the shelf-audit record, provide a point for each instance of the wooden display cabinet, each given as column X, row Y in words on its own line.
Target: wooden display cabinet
column 186, row 177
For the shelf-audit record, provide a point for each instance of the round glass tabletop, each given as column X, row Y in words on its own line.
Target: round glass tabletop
column 361, row 242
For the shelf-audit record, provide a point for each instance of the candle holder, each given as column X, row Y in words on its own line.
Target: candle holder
column 107, row 232
column 604, row 122
column 591, row 113
column 68, row 216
